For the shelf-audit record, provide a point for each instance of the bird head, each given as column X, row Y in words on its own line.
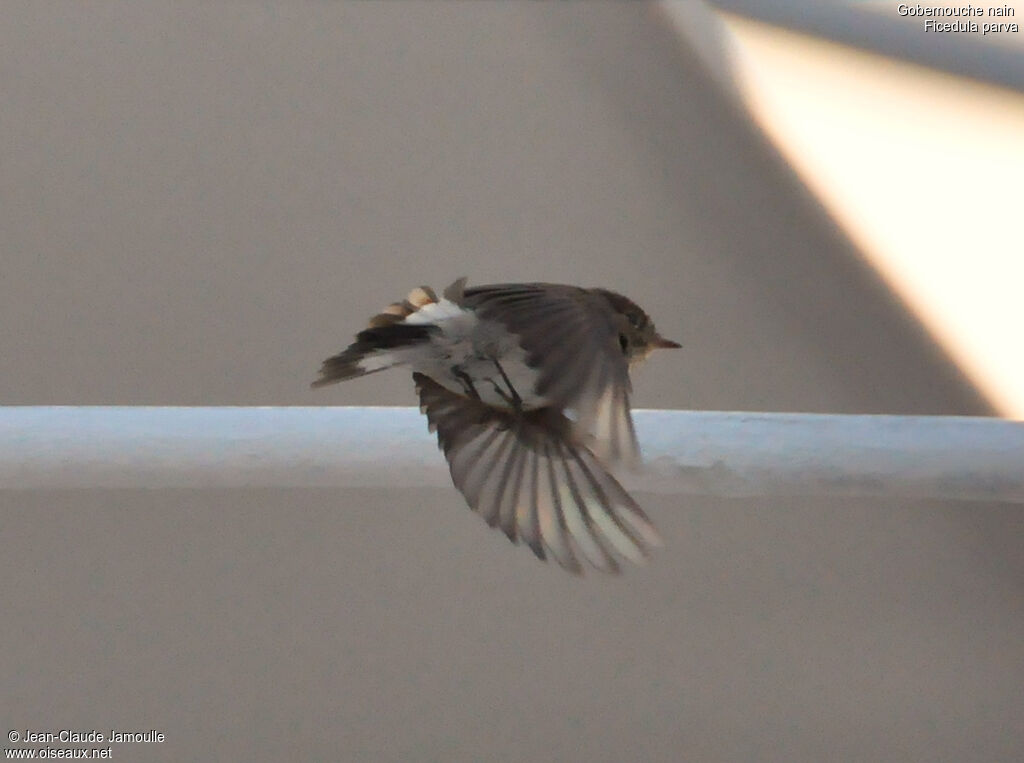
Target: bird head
column 637, row 335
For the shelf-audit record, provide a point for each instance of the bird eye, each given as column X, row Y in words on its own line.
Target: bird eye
column 623, row 342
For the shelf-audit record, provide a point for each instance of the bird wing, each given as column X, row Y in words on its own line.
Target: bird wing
column 529, row 475
column 571, row 337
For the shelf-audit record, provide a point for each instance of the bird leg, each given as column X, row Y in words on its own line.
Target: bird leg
column 467, row 383
column 511, row 397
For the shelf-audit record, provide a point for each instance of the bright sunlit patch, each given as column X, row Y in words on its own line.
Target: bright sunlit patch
column 926, row 173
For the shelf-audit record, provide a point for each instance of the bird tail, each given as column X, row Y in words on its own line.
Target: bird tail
column 379, row 347
column 375, row 349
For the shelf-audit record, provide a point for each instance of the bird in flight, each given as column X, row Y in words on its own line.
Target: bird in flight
column 527, row 386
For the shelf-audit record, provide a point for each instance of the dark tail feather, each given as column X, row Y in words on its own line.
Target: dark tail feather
column 372, row 351
column 393, row 336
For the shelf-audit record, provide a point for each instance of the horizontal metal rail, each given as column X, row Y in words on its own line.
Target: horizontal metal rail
column 702, row 452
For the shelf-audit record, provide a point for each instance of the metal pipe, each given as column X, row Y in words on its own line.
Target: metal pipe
column 702, row 452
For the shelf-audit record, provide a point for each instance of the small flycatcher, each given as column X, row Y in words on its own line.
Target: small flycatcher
column 527, row 386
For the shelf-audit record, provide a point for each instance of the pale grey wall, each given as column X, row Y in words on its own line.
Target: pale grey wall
column 202, row 201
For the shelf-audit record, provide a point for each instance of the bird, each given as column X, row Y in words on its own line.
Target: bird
column 527, row 387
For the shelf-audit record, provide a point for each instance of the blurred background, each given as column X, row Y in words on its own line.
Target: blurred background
column 202, row 201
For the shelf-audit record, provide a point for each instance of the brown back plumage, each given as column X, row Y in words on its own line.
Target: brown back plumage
column 397, row 312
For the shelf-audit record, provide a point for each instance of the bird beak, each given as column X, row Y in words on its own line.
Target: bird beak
column 661, row 342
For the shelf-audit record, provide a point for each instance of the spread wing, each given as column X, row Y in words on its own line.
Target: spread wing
column 528, row 475
column 570, row 336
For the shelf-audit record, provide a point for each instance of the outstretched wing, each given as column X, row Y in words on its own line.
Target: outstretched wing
column 571, row 337
column 532, row 477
